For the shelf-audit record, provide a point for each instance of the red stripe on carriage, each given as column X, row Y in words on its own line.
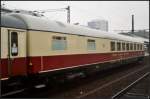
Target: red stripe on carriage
column 44, row 63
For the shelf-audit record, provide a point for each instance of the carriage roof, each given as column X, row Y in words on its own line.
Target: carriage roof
column 13, row 22
column 44, row 24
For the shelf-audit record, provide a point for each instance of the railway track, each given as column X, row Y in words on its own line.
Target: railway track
column 86, row 87
column 104, row 86
column 100, row 88
column 94, row 86
column 126, row 89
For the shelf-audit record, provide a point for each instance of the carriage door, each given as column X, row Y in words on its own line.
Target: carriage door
column 16, row 53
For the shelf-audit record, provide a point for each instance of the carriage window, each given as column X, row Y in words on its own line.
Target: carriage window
column 131, row 46
column 59, row 43
column 127, row 45
column 14, row 43
column 91, row 45
column 141, row 47
column 134, row 46
column 112, row 44
column 118, row 46
column 137, row 46
column 123, row 46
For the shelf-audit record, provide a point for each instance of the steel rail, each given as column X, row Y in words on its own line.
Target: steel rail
column 12, row 92
column 109, row 83
column 126, row 89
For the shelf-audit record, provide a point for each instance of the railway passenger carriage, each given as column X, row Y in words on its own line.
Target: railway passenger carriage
column 32, row 45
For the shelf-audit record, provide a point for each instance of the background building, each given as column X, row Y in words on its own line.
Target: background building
column 98, row 24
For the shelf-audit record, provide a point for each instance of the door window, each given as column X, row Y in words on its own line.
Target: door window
column 14, row 43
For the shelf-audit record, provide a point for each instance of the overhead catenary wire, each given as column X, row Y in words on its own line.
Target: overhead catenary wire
column 55, row 10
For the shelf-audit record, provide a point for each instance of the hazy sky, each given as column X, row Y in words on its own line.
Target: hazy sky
column 118, row 13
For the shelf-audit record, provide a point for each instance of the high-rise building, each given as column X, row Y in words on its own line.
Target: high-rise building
column 98, row 24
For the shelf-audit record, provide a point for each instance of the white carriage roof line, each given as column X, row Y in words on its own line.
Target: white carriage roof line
column 44, row 24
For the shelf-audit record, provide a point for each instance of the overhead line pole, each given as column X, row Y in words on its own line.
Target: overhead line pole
column 68, row 14
column 132, row 24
